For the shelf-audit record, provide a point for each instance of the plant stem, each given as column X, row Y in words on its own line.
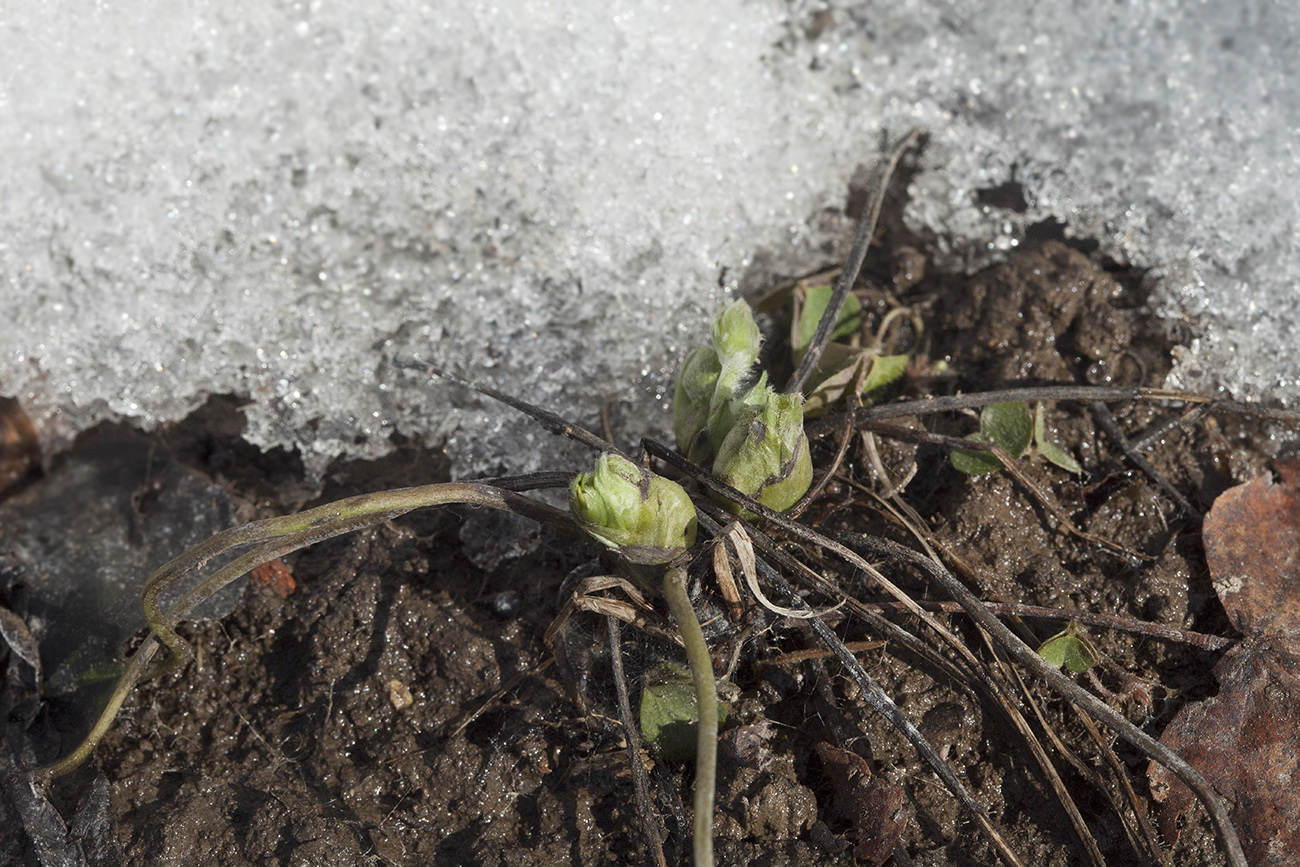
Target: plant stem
column 273, row 538
column 706, row 699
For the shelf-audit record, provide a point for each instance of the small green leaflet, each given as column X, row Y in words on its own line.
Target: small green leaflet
column 1008, row 426
column 1051, row 450
column 814, row 306
column 669, row 712
column 1068, row 649
column 1011, row 427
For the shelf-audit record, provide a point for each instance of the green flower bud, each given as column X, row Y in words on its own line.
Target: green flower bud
column 646, row 518
column 766, row 454
column 723, row 416
column 736, row 336
column 736, row 339
column 705, row 403
column 694, row 395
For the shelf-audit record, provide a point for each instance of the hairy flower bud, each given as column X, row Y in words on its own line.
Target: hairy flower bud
column 694, row 395
column 766, row 453
column 736, row 339
column 736, row 336
column 706, row 400
column 646, row 518
column 723, row 416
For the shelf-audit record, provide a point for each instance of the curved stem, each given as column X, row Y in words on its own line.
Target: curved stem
column 706, row 699
column 133, row 674
column 307, row 528
column 277, row 537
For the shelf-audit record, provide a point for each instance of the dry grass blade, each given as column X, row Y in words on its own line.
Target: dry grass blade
column 1097, row 709
column 640, row 782
column 1106, row 421
column 1020, row 651
column 1059, row 790
column 1010, row 464
column 883, row 704
column 997, row 687
column 853, row 264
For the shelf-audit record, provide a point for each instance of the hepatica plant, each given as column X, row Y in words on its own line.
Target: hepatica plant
column 742, row 440
column 752, row 437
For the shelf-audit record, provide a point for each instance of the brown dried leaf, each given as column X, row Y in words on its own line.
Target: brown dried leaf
column 20, row 451
column 1246, row 739
column 1252, row 546
column 276, row 577
column 872, row 805
column 13, row 629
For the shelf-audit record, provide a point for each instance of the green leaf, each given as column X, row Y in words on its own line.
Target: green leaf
column 1009, row 426
column 101, row 672
column 1060, row 457
column 885, row 371
column 814, row 306
column 1051, row 450
column 1068, row 649
column 669, row 712
column 846, row 366
column 974, row 463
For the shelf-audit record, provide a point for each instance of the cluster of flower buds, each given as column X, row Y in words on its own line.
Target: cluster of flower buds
column 753, row 438
column 705, row 403
column 765, row 454
column 648, row 519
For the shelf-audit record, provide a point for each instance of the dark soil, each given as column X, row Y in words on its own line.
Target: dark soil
column 328, row 727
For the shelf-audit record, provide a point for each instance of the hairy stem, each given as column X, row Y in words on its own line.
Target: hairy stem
column 706, row 699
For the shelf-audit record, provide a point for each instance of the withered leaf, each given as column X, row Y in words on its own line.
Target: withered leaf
column 873, row 806
column 1246, row 739
column 13, row 629
column 20, row 451
column 277, row 577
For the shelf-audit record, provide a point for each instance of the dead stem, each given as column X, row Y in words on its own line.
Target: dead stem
column 1020, row 651
column 274, row 538
column 853, row 264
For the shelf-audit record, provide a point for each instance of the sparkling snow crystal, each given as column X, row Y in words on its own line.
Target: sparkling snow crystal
column 270, row 200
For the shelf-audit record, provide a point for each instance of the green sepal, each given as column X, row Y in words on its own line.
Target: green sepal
column 766, row 454
column 723, row 417
column 646, row 517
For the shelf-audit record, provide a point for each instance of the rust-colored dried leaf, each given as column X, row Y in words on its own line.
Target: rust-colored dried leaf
column 276, row 577
column 20, row 451
column 1246, row 739
column 1252, row 546
column 872, row 805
